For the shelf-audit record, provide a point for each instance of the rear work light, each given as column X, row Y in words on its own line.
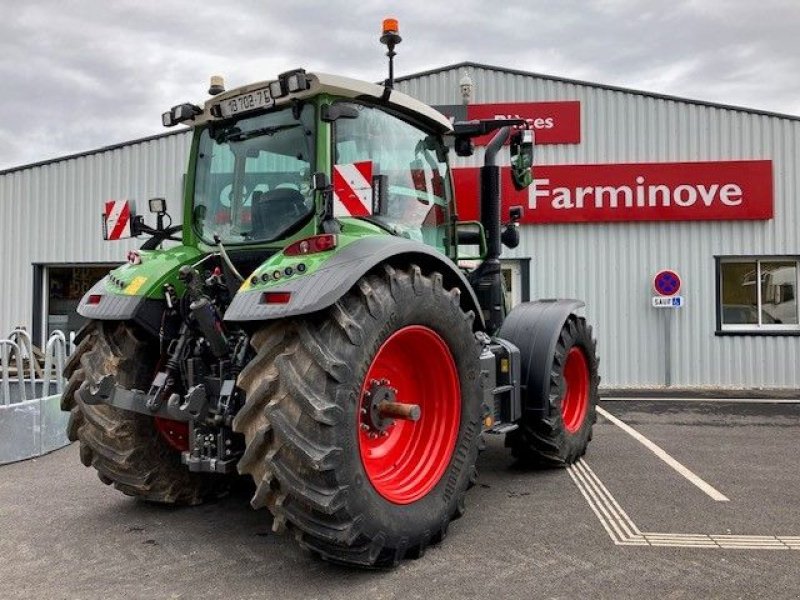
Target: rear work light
column 276, row 297
column 311, row 245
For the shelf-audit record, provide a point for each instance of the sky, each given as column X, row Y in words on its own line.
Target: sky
column 79, row 75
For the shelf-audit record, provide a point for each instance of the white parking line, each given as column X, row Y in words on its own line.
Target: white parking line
column 689, row 399
column 624, row 532
column 662, row 454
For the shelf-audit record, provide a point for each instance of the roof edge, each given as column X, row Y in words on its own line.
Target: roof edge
column 434, row 71
column 116, row 146
column 612, row 88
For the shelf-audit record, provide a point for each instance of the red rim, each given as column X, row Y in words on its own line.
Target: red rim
column 575, row 403
column 176, row 433
column 405, row 459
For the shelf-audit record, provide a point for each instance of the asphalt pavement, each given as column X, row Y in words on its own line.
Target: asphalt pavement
column 624, row 523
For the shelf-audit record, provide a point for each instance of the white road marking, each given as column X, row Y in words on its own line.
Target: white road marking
column 662, row 454
column 703, row 400
column 624, row 532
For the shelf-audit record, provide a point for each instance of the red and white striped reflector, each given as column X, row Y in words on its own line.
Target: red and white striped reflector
column 117, row 220
column 352, row 189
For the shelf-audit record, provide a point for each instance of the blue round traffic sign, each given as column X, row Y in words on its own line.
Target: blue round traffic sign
column 667, row 283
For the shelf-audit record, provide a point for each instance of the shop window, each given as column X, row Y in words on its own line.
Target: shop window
column 757, row 294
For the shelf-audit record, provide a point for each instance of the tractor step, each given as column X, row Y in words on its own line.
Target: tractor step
column 502, row 428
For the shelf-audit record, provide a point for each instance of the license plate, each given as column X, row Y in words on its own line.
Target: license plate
column 246, row 102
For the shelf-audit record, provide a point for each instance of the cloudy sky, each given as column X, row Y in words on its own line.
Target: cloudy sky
column 78, row 75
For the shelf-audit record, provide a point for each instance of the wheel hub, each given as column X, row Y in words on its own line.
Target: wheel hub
column 378, row 392
column 380, row 408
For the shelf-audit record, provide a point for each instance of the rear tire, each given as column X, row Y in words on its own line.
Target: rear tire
column 305, row 430
column 125, row 447
column 561, row 437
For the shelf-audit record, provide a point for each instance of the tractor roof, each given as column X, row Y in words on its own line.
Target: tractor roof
column 336, row 85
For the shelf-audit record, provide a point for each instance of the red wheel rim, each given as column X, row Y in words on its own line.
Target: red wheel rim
column 407, row 459
column 176, row 433
column 575, row 403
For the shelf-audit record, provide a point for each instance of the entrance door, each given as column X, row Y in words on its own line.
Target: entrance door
column 512, row 275
column 64, row 286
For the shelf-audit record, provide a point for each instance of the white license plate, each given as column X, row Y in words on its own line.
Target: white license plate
column 246, row 102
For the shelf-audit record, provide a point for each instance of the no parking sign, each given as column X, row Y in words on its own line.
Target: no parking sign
column 667, row 284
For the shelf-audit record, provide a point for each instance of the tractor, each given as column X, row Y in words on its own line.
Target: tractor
column 322, row 322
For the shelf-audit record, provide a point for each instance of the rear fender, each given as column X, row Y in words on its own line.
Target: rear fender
column 534, row 327
column 322, row 288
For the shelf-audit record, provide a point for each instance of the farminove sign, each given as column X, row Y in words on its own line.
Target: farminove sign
column 686, row 191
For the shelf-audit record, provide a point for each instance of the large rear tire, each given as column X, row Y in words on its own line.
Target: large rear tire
column 563, row 434
column 126, row 448
column 354, row 492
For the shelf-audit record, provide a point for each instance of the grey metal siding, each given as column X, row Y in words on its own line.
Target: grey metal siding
column 51, row 213
column 611, row 265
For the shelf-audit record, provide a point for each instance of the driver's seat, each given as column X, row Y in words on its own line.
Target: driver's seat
column 275, row 211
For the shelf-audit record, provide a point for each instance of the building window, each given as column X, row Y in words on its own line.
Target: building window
column 757, row 295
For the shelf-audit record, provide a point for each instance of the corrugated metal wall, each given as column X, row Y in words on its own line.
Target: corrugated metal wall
column 611, row 265
column 51, row 213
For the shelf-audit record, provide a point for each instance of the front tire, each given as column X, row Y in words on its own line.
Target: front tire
column 561, row 436
column 353, row 492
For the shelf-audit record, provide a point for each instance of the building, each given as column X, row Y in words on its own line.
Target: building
column 628, row 184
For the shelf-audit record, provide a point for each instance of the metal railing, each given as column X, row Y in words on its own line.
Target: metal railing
column 21, row 376
column 31, row 421
column 7, row 347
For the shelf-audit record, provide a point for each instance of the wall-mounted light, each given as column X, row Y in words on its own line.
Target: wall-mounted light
column 466, row 85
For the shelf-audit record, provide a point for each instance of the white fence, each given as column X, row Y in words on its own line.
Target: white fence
column 31, row 421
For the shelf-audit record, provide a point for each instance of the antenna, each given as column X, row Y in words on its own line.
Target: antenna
column 390, row 38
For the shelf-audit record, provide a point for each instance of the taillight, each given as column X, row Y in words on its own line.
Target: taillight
column 276, row 297
column 94, row 299
column 311, row 245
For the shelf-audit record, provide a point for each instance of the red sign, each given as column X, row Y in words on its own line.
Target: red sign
column 667, row 283
column 698, row 191
column 552, row 122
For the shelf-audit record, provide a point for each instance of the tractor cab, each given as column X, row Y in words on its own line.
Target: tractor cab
column 309, row 152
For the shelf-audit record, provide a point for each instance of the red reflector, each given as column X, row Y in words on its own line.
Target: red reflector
column 276, row 297
column 311, row 245
column 94, row 299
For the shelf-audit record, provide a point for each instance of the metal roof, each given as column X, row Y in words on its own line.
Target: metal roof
column 603, row 86
column 454, row 66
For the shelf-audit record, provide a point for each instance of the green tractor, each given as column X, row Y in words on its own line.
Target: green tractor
column 316, row 327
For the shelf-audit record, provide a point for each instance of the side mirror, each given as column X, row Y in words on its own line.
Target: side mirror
column 470, row 240
column 522, row 159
